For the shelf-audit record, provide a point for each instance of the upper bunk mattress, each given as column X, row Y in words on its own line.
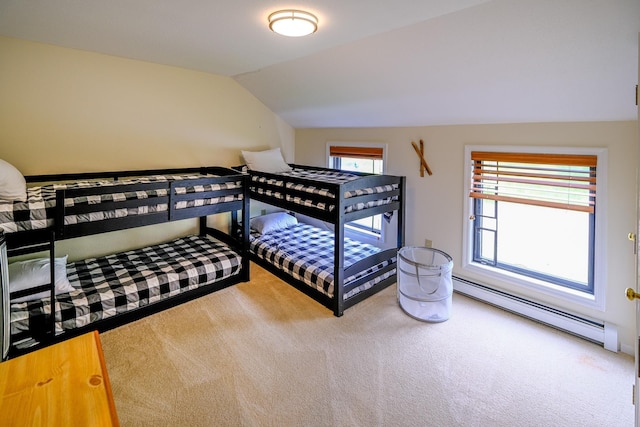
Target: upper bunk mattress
column 114, row 284
column 321, row 176
column 306, row 253
column 38, row 211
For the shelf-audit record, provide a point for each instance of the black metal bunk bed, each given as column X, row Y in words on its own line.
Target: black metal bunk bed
column 65, row 208
column 336, row 197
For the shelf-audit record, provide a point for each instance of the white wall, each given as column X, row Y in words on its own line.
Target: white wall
column 435, row 204
column 65, row 110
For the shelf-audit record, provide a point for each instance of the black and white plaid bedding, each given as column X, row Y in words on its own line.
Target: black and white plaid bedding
column 39, row 209
column 114, row 284
column 306, row 253
column 322, row 176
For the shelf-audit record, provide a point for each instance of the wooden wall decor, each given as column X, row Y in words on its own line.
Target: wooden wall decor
column 423, row 163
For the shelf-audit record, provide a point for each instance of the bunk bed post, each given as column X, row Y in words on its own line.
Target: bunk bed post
column 171, row 207
column 58, row 225
column 203, row 226
column 244, row 229
column 52, row 276
column 402, row 212
column 338, row 262
column 5, row 315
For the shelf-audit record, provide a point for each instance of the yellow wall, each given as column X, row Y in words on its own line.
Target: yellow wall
column 436, row 204
column 65, row 110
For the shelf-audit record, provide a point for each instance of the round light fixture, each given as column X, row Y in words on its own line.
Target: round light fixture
column 293, row 23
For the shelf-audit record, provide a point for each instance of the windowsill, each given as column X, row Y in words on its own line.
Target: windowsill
column 570, row 295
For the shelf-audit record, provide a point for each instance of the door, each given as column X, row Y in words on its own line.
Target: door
column 631, row 293
column 632, row 296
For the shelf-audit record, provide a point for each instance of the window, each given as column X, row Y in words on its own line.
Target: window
column 533, row 217
column 360, row 158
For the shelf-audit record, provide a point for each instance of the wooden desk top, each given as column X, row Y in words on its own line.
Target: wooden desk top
column 65, row 384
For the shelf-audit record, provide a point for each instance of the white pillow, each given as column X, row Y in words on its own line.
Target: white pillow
column 270, row 161
column 12, row 184
column 272, row 222
column 35, row 272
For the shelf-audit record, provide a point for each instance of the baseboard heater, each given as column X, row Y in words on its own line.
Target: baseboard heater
column 599, row 332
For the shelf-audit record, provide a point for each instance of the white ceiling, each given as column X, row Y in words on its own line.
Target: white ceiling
column 375, row 63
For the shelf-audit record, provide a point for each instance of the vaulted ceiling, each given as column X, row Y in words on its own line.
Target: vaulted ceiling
column 375, row 63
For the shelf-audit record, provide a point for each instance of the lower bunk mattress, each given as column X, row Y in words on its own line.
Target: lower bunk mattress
column 306, row 253
column 114, row 284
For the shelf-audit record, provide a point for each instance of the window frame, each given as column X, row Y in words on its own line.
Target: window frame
column 490, row 273
column 361, row 233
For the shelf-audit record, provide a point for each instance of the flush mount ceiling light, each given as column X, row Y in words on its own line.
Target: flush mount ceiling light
column 293, row 23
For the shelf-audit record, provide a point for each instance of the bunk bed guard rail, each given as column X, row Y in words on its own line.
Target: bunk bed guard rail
column 158, row 206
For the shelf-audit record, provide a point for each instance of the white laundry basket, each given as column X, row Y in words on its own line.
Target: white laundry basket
column 425, row 286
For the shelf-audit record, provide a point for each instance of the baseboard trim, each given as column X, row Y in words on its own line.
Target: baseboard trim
column 600, row 332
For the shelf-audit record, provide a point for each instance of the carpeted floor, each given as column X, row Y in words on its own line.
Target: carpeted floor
column 264, row 354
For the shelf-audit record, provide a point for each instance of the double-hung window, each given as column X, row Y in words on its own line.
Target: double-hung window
column 533, row 217
column 368, row 158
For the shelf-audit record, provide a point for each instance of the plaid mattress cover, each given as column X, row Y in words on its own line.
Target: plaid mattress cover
column 114, row 284
column 330, row 176
column 306, row 253
column 38, row 211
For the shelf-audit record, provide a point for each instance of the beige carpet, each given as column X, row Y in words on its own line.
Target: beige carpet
column 264, row 354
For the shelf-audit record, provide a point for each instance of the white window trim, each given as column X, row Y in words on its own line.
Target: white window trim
column 492, row 274
column 362, row 236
